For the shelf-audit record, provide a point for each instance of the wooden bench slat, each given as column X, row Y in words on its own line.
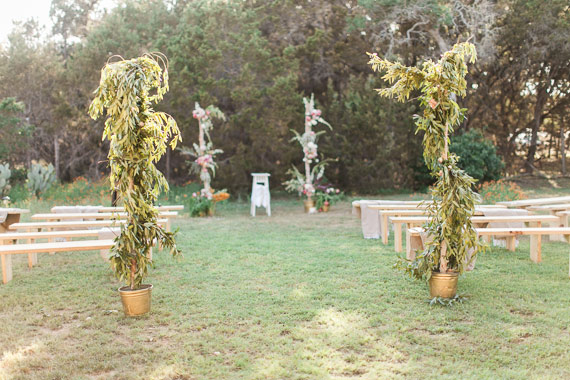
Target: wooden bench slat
column 490, row 219
column 160, row 208
column 94, row 215
column 48, row 234
column 73, row 224
column 66, row 246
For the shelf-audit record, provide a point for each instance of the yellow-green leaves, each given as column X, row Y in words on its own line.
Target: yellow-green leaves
column 453, row 197
column 138, row 137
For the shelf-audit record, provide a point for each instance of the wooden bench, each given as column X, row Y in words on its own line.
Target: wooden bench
column 386, row 212
column 95, row 216
column 159, row 208
column 6, row 251
column 524, row 203
column 357, row 207
column 511, row 233
column 38, row 226
column 478, row 222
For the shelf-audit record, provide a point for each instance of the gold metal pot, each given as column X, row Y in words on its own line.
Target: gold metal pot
column 136, row 302
column 308, row 205
column 443, row 285
column 325, row 208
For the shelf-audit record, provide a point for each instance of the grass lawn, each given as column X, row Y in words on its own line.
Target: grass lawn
column 293, row 296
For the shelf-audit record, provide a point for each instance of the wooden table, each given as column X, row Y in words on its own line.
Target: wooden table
column 12, row 217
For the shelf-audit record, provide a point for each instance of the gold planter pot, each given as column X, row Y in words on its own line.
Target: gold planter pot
column 136, row 302
column 443, row 285
column 308, row 205
column 325, row 208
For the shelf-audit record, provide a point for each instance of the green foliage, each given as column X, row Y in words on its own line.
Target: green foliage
column 13, row 130
column 451, row 232
column 138, row 138
column 199, row 205
column 5, row 174
column 477, row 156
column 500, row 191
column 40, row 178
column 327, row 195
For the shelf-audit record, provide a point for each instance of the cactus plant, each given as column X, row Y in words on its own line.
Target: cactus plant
column 5, row 174
column 40, row 178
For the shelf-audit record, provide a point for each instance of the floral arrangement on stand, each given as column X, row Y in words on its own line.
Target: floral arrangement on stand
column 326, row 196
column 202, row 203
column 304, row 183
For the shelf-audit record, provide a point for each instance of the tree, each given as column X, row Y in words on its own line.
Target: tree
column 138, row 138
column 450, row 227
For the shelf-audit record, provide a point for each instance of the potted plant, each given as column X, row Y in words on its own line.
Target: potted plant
column 326, row 196
column 452, row 241
column 138, row 138
column 304, row 183
column 202, row 203
column 204, row 153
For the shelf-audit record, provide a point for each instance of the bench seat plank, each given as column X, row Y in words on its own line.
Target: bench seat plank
column 47, row 234
column 159, row 208
column 95, row 215
column 74, row 224
column 65, row 246
column 6, row 251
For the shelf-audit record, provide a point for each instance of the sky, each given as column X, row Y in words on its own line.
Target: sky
column 21, row 10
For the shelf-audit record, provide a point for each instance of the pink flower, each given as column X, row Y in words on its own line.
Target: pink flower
column 308, row 118
column 433, row 103
column 337, row 191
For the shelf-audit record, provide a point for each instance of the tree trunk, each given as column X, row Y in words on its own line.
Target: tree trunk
column 535, row 124
column 563, row 147
column 56, row 156
column 168, row 165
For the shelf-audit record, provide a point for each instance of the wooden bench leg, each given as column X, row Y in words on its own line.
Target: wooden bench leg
column 398, row 237
column 415, row 245
column 384, row 228
column 535, row 248
column 32, row 257
column 511, row 243
column 6, row 268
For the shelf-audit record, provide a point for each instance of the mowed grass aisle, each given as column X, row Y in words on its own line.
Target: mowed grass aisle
column 293, row 296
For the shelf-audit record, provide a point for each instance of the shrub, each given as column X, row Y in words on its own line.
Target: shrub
column 500, row 191
column 40, row 178
column 477, row 156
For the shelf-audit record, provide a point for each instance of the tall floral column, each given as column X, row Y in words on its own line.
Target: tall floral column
column 304, row 184
column 204, row 151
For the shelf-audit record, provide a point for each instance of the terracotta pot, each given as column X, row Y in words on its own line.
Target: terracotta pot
column 443, row 285
column 136, row 302
column 309, row 205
